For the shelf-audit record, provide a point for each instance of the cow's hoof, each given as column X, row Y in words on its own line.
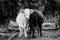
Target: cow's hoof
column 40, row 35
column 20, row 36
column 29, row 37
column 34, row 37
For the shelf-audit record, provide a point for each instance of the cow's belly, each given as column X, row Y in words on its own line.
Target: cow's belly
column 21, row 20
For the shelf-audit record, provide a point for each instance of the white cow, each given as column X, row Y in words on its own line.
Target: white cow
column 21, row 20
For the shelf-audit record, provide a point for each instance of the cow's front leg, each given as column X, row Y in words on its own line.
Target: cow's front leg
column 25, row 32
column 33, row 33
column 21, row 31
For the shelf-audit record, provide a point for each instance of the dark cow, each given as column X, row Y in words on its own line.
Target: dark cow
column 34, row 20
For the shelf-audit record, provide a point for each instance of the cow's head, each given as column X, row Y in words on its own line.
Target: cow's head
column 27, row 13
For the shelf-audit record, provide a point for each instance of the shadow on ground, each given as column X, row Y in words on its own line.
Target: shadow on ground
column 47, row 35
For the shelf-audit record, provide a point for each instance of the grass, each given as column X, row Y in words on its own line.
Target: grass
column 47, row 35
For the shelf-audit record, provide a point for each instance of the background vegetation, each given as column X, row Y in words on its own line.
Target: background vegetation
column 50, row 8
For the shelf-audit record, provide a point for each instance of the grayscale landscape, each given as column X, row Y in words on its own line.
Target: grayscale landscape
column 9, row 9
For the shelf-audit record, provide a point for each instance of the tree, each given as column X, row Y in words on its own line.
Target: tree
column 8, row 10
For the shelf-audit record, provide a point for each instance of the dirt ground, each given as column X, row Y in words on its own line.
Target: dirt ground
column 47, row 35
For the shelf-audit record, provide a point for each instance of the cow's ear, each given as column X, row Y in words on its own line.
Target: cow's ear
column 21, row 10
column 31, row 11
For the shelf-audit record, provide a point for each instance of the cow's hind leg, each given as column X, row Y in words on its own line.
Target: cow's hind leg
column 40, row 29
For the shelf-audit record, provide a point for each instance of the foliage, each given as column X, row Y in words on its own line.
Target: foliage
column 8, row 9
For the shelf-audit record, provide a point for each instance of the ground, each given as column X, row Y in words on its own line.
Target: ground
column 47, row 35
